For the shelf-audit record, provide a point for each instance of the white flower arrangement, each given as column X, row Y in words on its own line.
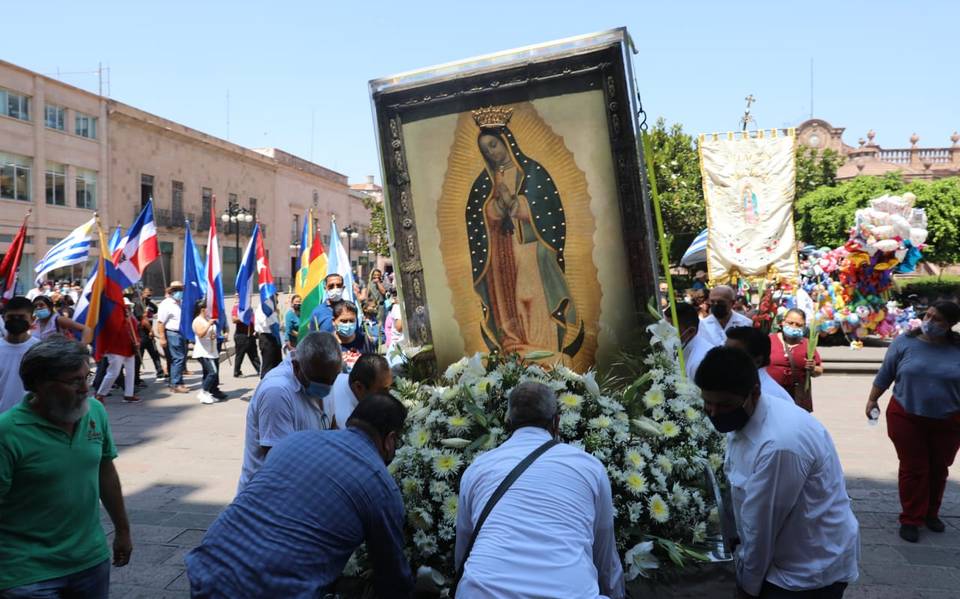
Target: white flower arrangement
column 651, row 436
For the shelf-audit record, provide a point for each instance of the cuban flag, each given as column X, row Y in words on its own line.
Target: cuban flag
column 268, row 291
column 245, row 278
column 215, row 308
column 138, row 248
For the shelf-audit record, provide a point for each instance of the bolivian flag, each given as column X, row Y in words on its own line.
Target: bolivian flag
column 313, row 268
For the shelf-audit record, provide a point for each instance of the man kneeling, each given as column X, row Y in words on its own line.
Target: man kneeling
column 551, row 532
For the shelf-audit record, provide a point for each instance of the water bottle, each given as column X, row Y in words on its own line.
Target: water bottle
column 874, row 417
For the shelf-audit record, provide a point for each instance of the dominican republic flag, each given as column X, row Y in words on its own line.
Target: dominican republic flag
column 138, row 248
column 194, row 284
column 11, row 262
column 215, row 309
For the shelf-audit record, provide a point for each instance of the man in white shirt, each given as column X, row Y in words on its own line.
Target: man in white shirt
column 370, row 374
column 17, row 319
column 551, row 534
column 798, row 536
column 290, row 399
column 167, row 331
column 757, row 345
column 694, row 347
column 722, row 317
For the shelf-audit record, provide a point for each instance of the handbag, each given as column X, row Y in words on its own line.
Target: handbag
column 497, row 494
column 800, row 392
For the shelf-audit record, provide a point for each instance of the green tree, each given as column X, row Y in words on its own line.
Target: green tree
column 378, row 238
column 941, row 201
column 815, row 169
column 676, row 165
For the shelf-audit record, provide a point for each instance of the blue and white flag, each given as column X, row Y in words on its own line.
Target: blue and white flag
column 115, row 239
column 339, row 263
column 697, row 252
column 72, row 249
column 194, row 285
column 245, row 278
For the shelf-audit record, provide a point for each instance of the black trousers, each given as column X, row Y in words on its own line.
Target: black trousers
column 148, row 345
column 102, row 366
column 772, row 591
column 271, row 353
column 246, row 345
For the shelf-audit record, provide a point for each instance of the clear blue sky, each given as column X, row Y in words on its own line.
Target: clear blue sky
column 890, row 66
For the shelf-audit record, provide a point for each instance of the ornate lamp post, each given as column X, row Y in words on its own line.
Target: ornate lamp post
column 349, row 233
column 236, row 214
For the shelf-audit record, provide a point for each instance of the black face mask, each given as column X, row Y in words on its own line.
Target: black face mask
column 17, row 326
column 720, row 310
column 730, row 421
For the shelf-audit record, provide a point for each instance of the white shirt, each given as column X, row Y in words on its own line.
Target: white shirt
column 714, row 334
column 793, row 514
column 341, row 401
column 280, row 407
column 772, row 388
column 550, row 535
column 11, row 385
column 168, row 314
column 693, row 353
column 206, row 347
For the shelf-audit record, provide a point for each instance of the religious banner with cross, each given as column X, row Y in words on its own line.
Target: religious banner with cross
column 749, row 187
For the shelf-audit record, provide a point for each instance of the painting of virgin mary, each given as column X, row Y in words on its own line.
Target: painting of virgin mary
column 516, row 231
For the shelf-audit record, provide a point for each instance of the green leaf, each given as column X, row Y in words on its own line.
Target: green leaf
column 477, row 413
column 479, row 442
column 538, row 355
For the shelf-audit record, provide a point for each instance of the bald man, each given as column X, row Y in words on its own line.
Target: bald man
column 713, row 328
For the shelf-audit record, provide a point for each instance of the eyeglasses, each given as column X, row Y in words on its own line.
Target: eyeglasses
column 77, row 383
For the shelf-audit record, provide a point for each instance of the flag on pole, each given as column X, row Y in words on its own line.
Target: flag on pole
column 11, row 262
column 100, row 307
column 115, row 239
column 138, row 248
column 311, row 289
column 340, row 263
column 215, row 307
column 72, row 249
column 268, row 291
column 245, row 275
column 194, row 284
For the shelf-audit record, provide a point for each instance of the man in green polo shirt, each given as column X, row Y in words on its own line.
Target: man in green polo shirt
column 56, row 466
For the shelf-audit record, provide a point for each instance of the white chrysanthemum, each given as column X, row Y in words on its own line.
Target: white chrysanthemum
column 692, row 414
column 569, row 421
column 567, row 373
column 454, row 370
column 653, row 397
column 419, row 437
column 636, row 483
column 665, row 464
column 445, row 464
column 700, row 532
column 679, row 496
column 459, row 423
column 420, row 519
column 658, row 414
column 669, row 428
column 600, row 423
column 570, row 401
column 450, row 508
column 410, row 485
column 449, row 394
column 494, row 435
column 635, row 459
column 426, row 544
column 639, row 559
column 716, row 461
column 439, row 490
column 659, row 510
column 635, row 511
column 483, row 385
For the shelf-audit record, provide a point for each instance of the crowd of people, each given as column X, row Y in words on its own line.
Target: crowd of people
column 324, row 399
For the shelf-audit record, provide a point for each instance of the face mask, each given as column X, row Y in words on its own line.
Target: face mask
column 731, row 421
column 720, row 310
column 17, row 325
column 178, row 295
column 335, row 294
column 931, row 329
column 318, row 390
column 42, row 314
column 792, row 332
column 346, row 328
column 387, row 303
column 296, row 308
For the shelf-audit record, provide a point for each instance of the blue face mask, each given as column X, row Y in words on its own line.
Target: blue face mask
column 932, row 329
column 346, row 329
column 318, row 390
column 42, row 314
column 178, row 295
column 387, row 303
column 792, row 332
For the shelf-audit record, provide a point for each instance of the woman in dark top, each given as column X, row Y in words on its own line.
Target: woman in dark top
column 923, row 416
column 353, row 342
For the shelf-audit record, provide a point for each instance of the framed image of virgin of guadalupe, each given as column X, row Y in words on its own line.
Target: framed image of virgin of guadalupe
column 515, row 200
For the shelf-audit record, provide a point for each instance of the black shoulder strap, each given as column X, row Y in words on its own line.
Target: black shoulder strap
column 507, row 482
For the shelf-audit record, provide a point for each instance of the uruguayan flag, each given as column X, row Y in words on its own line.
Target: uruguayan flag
column 72, row 249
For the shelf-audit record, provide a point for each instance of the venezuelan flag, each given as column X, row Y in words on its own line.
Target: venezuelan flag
column 313, row 268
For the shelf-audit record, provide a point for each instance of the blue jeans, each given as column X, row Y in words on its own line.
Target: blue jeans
column 92, row 583
column 211, row 375
column 178, row 356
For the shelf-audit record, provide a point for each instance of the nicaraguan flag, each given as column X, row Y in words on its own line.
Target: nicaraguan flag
column 138, row 248
column 72, row 249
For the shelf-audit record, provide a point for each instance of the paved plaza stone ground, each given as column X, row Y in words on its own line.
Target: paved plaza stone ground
column 180, row 460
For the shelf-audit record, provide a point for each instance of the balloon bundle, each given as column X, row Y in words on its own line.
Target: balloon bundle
column 849, row 284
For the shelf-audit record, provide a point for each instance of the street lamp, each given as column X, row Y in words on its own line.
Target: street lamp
column 236, row 214
column 350, row 233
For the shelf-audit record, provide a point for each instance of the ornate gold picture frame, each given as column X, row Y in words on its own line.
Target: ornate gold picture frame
column 516, row 204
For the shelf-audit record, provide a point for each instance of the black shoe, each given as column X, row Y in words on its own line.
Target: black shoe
column 162, row 375
column 909, row 533
column 936, row 524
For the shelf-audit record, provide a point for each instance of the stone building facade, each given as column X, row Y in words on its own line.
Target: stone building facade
column 66, row 153
column 868, row 158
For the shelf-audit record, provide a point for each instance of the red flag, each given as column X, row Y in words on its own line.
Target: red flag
column 11, row 262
